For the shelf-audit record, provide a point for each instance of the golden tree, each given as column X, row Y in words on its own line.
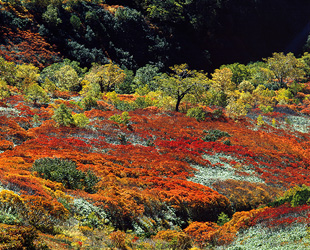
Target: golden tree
column 107, row 76
column 285, row 67
column 222, row 85
column 67, row 78
column 26, row 75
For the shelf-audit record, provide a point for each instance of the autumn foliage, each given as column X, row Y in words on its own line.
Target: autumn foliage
column 143, row 169
column 26, row 46
column 129, row 164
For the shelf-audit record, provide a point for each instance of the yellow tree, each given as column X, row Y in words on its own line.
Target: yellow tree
column 7, row 71
column 263, row 96
column 107, row 76
column 236, row 108
column 222, row 85
column 239, row 101
column 285, row 67
column 91, row 92
column 67, row 78
column 26, row 74
column 36, row 94
column 4, row 90
column 90, row 88
column 182, row 82
column 222, row 80
column 246, row 86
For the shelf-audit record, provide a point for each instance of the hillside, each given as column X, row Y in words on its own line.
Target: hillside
column 203, row 33
column 87, row 168
column 108, row 140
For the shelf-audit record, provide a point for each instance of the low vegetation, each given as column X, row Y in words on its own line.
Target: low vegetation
column 89, row 168
column 140, row 153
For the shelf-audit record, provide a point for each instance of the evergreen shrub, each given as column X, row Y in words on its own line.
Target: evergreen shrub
column 62, row 115
column 214, row 135
column 121, row 119
column 89, row 102
column 65, row 172
column 196, row 113
column 296, row 196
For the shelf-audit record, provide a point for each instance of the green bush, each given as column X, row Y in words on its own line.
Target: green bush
column 65, row 172
column 125, row 106
column 75, row 22
column 265, row 109
column 62, row 115
column 80, row 120
column 217, row 113
column 36, row 94
column 227, row 142
column 214, row 135
column 143, row 102
column 89, row 215
column 295, row 196
column 260, row 121
column 51, row 16
column 10, row 219
column 301, row 197
column 196, row 113
column 222, row 219
column 89, row 102
column 121, row 119
column 90, row 180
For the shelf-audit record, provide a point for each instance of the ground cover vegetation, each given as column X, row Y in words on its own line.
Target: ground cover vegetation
column 188, row 160
column 123, row 147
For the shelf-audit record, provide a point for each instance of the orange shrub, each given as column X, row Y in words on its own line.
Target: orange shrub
column 210, row 233
column 17, row 237
column 5, row 145
column 176, row 239
column 245, row 195
column 27, row 47
column 203, row 233
column 118, row 239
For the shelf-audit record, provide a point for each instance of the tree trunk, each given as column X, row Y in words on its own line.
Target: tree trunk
column 178, row 104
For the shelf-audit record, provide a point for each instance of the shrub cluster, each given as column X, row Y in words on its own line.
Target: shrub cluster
column 175, row 239
column 196, row 113
column 121, row 119
column 296, row 196
column 214, row 135
column 141, row 102
column 65, row 172
column 17, row 237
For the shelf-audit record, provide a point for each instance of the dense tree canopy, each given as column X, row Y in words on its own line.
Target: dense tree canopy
column 203, row 33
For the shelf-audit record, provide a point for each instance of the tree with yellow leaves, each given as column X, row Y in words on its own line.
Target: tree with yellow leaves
column 285, row 67
column 236, row 108
column 222, row 86
column 222, row 80
column 26, row 74
column 4, row 90
column 107, row 76
column 7, row 71
column 36, row 94
column 67, row 78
